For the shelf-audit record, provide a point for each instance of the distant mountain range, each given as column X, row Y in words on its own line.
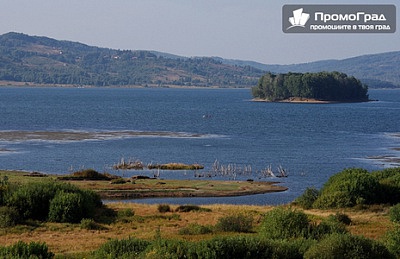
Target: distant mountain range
column 376, row 70
column 42, row 60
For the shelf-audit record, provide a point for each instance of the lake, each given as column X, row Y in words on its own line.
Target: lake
column 60, row 130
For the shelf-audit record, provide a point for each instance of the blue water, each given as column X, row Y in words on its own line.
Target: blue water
column 311, row 141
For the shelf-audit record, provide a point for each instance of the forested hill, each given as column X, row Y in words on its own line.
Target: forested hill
column 43, row 60
column 376, row 70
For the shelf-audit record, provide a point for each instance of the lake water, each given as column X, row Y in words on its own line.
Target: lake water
column 59, row 130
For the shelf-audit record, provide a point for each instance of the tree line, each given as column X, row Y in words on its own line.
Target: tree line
column 330, row 86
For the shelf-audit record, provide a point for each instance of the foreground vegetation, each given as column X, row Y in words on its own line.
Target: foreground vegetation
column 362, row 226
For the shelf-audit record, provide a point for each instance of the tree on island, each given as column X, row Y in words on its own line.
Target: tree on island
column 325, row 86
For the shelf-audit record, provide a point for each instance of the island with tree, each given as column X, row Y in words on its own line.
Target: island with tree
column 310, row 87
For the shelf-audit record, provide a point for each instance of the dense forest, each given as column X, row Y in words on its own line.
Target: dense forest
column 43, row 60
column 327, row 86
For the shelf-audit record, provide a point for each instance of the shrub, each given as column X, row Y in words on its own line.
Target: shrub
column 188, row 208
column 196, row 229
column 218, row 247
column 392, row 241
column 327, row 227
column 66, row 207
column 32, row 201
column 341, row 218
column 394, row 213
column 8, row 217
column 90, row 224
column 281, row 223
column 24, row 250
column 386, row 173
column 235, row 223
column 124, row 248
column 390, row 189
column 89, row 174
column 126, row 213
column 105, row 215
column 389, row 179
column 163, row 248
column 163, row 208
column 251, row 247
column 348, row 188
column 347, row 246
column 118, row 181
column 307, row 199
column 235, row 247
column 4, row 188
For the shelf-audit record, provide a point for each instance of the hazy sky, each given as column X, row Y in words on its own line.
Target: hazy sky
column 234, row 29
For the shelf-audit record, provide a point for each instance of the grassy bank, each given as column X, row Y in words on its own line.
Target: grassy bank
column 142, row 188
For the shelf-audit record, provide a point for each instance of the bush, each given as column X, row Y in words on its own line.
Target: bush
column 66, row 207
column 394, row 213
column 389, row 179
column 89, row 224
column 125, row 248
column 196, row 229
column 162, row 248
column 281, row 223
column 251, row 247
column 392, row 241
column 24, row 250
column 235, row 223
column 347, row 246
column 163, row 208
column 341, row 218
column 4, row 188
column 126, row 213
column 348, row 188
column 328, row 226
column 118, row 181
column 307, row 199
column 89, row 174
column 188, row 208
column 218, row 247
column 8, row 217
column 32, row 201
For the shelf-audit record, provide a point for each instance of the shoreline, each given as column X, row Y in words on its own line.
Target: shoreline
column 306, row 100
column 149, row 86
column 294, row 100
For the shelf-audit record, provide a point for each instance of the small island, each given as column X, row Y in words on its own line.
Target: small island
column 322, row 87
